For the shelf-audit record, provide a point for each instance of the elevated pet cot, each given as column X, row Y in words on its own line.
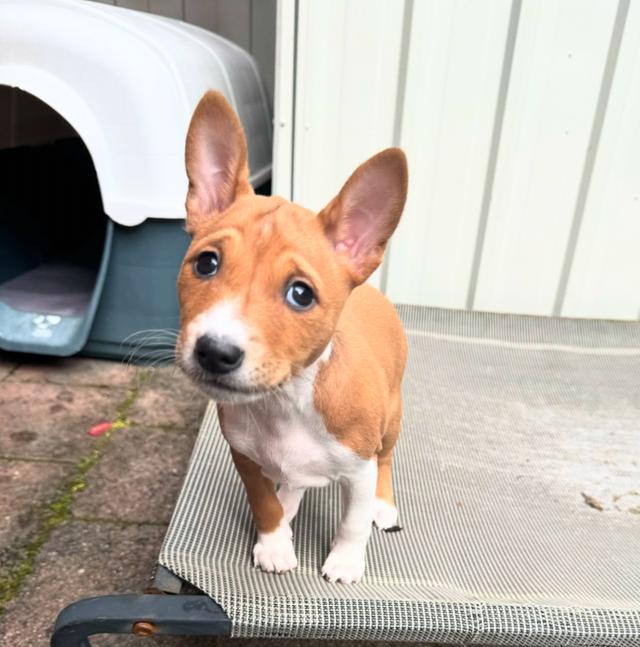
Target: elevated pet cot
column 91, row 223
column 516, row 476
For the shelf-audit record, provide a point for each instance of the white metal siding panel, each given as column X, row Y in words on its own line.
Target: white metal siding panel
column 605, row 275
column 540, row 233
column 347, row 71
column 454, row 66
column 284, row 98
column 346, row 80
column 559, row 60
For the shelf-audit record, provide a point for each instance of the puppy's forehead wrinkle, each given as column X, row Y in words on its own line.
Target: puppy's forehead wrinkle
column 270, row 212
column 257, row 225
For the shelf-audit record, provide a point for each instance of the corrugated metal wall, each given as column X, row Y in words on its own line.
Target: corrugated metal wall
column 521, row 120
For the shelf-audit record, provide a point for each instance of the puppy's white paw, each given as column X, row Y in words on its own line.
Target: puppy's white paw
column 345, row 563
column 274, row 552
column 385, row 515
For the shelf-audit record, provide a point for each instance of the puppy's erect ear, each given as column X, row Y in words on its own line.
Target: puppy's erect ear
column 216, row 159
column 361, row 218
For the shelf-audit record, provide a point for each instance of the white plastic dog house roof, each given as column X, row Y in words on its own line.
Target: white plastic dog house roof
column 128, row 83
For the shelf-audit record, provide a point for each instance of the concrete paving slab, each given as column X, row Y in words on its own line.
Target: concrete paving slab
column 76, row 371
column 168, row 399
column 6, row 367
column 79, row 560
column 138, row 477
column 25, row 489
column 40, row 420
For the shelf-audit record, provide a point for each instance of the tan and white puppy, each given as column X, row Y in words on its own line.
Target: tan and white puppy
column 304, row 360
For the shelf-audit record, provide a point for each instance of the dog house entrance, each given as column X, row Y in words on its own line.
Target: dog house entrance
column 54, row 235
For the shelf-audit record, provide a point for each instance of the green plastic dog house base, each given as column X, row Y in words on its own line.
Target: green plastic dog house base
column 55, row 244
column 139, row 293
column 49, row 310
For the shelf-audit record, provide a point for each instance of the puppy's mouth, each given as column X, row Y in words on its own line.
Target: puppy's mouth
column 212, row 380
column 221, row 389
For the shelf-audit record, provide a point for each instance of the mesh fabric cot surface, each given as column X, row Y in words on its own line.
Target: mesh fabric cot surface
column 517, row 477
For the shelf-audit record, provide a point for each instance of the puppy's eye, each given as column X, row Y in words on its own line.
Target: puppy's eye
column 300, row 296
column 207, row 264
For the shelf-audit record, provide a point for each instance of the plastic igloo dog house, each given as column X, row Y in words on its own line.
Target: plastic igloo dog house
column 91, row 217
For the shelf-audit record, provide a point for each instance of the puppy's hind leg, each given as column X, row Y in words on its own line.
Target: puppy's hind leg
column 385, row 515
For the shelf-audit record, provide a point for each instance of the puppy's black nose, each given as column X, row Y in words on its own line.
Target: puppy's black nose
column 217, row 356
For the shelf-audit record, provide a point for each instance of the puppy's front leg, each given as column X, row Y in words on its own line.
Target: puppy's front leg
column 345, row 562
column 290, row 498
column 274, row 549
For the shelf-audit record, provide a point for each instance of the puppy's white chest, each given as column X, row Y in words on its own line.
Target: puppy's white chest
column 291, row 446
column 287, row 437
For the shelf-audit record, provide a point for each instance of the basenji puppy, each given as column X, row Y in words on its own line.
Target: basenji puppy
column 303, row 358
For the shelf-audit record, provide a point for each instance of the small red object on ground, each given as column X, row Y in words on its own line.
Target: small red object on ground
column 98, row 430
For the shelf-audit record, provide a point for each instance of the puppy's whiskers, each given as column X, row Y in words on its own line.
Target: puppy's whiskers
column 152, row 346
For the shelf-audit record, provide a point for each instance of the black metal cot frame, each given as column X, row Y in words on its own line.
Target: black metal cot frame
column 169, row 606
